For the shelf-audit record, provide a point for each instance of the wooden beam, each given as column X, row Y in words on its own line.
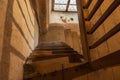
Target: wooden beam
column 111, row 33
column 83, row 32
column 53, row 2
column 107, row 13
column 68, row 3
column 95, row 8
column 88, row 4
column 109, row 60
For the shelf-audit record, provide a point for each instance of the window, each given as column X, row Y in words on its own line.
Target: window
column 64, row 5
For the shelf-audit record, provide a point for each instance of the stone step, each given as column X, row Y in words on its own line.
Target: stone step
column 51, row 52
column 40, row 58
column 64, row 51
column 72, row 57
column 55, row 52
column 51, row 48
column 52, row 44
column 37, row 54
column 52, row 68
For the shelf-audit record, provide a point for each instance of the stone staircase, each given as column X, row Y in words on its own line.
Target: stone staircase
column 49, row 57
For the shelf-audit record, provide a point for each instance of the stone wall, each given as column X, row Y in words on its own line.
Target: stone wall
column 58, row 32
column 18, row 37
column 107, row 47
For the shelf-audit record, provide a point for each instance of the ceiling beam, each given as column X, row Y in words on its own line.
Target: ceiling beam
column 68, row 3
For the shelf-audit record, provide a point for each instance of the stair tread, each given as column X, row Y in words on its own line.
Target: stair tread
column 54, row 50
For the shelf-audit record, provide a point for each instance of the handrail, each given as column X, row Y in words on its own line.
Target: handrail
column 107, row 13
column 95, row 8
column 111, row 33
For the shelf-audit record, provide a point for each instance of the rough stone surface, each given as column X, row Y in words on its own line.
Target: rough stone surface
column 17, row 37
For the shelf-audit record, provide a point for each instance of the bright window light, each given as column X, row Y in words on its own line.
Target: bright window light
column 61, row 5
